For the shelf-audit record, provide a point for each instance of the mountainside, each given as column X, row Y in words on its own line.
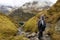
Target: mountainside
column 29, row 10
column 52, row 18
column 7, row 28
column 6, row 9
column 36, row 6
column 20, row 16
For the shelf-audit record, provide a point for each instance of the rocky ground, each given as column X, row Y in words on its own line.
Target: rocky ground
column 32, row 36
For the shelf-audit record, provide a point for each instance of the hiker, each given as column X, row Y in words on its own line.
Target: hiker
column 41, row 27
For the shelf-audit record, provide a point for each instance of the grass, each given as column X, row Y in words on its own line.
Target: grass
column 7, row 28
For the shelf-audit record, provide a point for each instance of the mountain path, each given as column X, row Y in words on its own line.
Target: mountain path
column 33, row 36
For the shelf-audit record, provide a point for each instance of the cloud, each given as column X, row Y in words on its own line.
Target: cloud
column 13, row 2
column 17, row 2
column 54, row 1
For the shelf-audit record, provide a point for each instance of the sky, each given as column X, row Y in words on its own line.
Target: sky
column 18, row 2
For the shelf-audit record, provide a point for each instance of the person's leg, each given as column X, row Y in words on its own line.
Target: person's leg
column 40, row 35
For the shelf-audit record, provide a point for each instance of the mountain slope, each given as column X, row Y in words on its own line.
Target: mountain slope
column 52, row 18
column 7, row 28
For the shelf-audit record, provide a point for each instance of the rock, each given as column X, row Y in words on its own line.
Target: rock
column 46, row 37
column 35, row 38
column 31, row 35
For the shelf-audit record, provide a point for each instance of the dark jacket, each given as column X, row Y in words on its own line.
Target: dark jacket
column 40, row 26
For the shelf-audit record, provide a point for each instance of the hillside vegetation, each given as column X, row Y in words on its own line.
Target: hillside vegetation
column 8, row 30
